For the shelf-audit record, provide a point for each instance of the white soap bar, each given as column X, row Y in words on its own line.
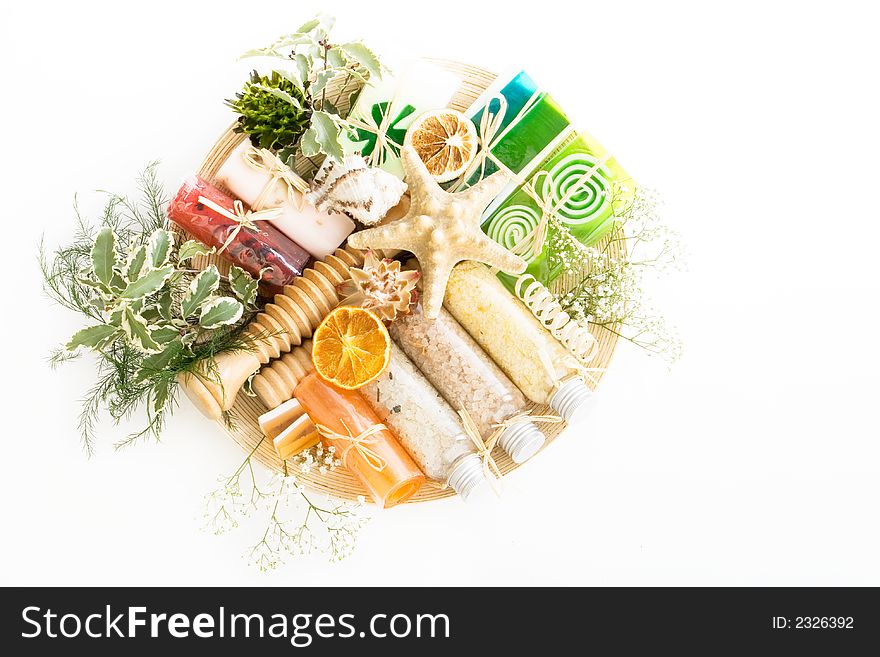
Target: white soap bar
column 317, row 232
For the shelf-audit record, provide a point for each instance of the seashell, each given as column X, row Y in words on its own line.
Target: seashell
column 352, row 188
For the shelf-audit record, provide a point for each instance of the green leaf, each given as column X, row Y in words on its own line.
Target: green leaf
column 93, row 337
column 161, row 392
column 293, row 40
column 164, row 304
column 117, row 283
column 310, row 25
column 293, row 79
column 280, row 94
column 243, row 285
column 200, row 289
column 116, row 317
column 156, row 363
column 191, row 249
column 364, row 56
column 104, row 255
column 219, row 312
column 303, row 66
column 97, row 285
column 165, row 334
column 134, row 265
column 147, row 284
column 138, row 332
column 159, row 247
column 321, row 81
column 151, row 313
column 322, row 137
column 336, row 58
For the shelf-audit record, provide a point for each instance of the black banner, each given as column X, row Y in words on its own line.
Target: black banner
column 435, row 621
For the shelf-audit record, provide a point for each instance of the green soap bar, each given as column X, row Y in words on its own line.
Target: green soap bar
column 531, row 135
column 588, row 215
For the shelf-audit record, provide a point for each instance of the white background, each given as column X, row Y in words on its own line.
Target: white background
column 755, row 461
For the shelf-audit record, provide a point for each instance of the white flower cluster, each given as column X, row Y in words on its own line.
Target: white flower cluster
column 609, row 288
column 325, row 525
column 320, row 458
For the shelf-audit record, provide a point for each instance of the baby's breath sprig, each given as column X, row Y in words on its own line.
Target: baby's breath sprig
column 325, row 525
column 609, row 282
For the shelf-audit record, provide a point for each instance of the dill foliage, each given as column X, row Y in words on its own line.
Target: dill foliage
column 150, row 315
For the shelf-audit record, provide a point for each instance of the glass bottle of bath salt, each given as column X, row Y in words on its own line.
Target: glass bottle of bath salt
column 366, row 447
column 533, row 359
column 462, row 372
column 426, row 425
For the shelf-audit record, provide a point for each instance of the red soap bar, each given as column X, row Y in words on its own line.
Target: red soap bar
column 265, row 250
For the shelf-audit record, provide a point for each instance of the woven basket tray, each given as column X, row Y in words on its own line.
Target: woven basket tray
column 246, row 410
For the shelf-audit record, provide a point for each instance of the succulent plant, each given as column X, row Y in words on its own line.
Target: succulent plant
column 273, row 111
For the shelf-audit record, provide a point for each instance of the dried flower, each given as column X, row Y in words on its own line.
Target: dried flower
column 381, row 286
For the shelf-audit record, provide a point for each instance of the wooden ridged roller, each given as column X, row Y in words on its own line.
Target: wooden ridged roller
column 276, row 381
column 284, row 323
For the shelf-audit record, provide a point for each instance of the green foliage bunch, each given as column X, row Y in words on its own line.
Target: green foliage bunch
column 150, row 315
column 273, row 108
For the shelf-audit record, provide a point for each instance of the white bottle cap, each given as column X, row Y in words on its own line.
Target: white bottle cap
column 573, row 400
column 522, row 441
column 467, row 476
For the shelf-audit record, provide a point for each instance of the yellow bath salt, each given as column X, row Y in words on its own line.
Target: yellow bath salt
column 533, row 359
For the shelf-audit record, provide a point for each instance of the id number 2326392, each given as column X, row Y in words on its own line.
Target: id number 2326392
column 813, row 623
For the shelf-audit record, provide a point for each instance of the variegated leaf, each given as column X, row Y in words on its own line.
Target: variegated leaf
column 138, row 332
column 104, row 255
column 191, row 249
column 93, row 337
column 243, row 285
column 220, row 311
column 200, row 289
column 159, row 247
column 147, row 284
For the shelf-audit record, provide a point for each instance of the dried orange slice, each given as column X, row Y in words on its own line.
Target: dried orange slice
column 445, row 140
column 351, row 347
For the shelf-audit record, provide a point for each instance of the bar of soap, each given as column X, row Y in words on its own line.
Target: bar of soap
column 317, row 232
column 278, row 419
column 300, row 435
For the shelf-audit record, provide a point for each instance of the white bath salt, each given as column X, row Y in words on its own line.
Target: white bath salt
column 467, row 378
column 533, row 359
column 425, row 424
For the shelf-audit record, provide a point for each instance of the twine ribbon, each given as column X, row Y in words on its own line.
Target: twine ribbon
column 384, row 143
column 519, row 418
column 242, row 218
column 265, row 161
column 577, row 369
column 357, row 443
column 491, row 135
column 484, row 450
column 534, row 240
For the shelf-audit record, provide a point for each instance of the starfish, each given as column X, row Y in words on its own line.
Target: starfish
column 441, row 230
